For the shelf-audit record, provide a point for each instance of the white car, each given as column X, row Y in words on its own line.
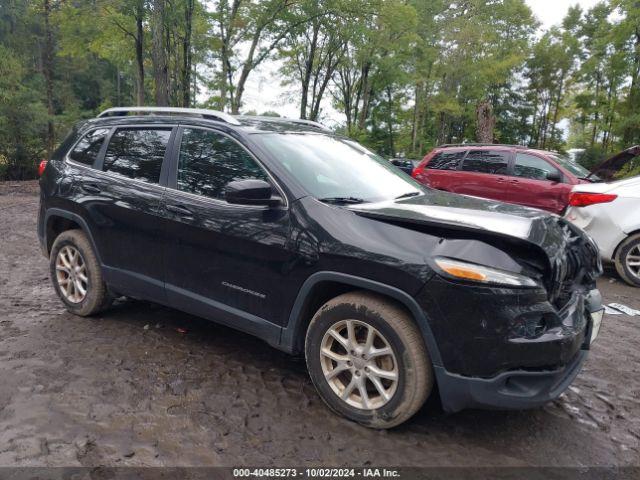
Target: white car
column 610, row 214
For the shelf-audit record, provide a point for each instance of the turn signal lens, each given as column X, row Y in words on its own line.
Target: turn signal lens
column 462, row 272
column 479, row 273
column 584, row 199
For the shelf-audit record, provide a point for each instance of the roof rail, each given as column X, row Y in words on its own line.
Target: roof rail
column 454, row 145
column 310, row 123
column 199, row 112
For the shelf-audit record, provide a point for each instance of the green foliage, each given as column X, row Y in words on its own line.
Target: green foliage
column 406, row 74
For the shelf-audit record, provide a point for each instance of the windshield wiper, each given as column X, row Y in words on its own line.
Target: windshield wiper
column 407, row 195
column 342, row 200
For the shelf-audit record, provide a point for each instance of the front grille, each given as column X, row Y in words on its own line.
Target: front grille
column 579, row 266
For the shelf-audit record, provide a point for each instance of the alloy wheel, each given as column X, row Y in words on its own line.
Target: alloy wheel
column 359, row 364
column 633, row 261
column 71, row 274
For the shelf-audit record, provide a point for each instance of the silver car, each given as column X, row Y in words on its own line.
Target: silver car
column 610, row 214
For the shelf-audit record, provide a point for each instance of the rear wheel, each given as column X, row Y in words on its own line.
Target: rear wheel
column 367, row 360
column 76, row 274
column 628, row 260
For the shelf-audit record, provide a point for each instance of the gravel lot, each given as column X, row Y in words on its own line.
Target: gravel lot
column 128, row 388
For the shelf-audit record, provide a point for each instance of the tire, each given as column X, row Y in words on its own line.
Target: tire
column 630, row 247
column 393, row 330
column 96, row 297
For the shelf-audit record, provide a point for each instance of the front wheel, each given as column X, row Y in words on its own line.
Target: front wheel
column 627, row 260
column 367, row 360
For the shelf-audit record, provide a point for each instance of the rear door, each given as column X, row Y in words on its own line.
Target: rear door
column 529, row 185
column 223, row 261
column 484, row 174
column 442, row 171
column 123, row 197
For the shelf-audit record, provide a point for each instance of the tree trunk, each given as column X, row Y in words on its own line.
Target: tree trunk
column 442, row 128
column 366, row 95
column 630, row 134
column 486, row 122
column 140, row 54
column 596, row 116
column 118, row 88
column 308, row 68
column 414, row 122
column 187, row 54
column 392, row 146
column 159, row 54
column 248, row 66
column 194, row 91
column 47, row 64
column 556, row 112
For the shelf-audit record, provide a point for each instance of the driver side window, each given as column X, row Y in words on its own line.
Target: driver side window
column 531, row 166
column 209, row 160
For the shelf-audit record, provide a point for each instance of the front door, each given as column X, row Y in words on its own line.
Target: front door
column 223, row 261
column 531, row 187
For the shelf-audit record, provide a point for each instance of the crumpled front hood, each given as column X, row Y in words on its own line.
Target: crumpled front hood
column 460, row 212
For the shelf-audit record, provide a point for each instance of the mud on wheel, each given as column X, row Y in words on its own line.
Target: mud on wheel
column 76, row 275
column 367, row 359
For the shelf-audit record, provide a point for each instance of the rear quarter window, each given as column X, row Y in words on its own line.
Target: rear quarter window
column 87, row 149
column 446, row 160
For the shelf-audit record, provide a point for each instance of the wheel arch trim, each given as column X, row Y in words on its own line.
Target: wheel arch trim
column 58, row 212
column 296, row 321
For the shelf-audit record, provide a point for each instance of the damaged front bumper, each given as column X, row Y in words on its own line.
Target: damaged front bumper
column 535, row 370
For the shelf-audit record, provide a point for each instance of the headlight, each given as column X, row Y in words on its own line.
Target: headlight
column 479, row 273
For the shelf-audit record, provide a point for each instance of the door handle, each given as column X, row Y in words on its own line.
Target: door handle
column 502, row 179
column 179, row 209
column 90, row 188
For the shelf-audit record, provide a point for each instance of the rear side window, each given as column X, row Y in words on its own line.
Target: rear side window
column 209, row 160
column 446, row 160
column 86, row 150
column 531, row 166
column 137, row 153
column 486, row 161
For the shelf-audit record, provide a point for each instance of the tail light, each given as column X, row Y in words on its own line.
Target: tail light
column 41, row 166
column 584, row 199
column 418, row 170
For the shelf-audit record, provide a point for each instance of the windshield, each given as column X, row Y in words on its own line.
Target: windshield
column 331, row 168
column 578, row 170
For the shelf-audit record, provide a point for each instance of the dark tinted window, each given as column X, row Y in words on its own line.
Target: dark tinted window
column 530, row 166
column 486, row 161
column 137, row 153
column 86, row 150
column 209, row 160
column 446, row 160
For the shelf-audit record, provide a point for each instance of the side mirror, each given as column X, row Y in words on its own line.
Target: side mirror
column 250, row 191
column 554, row 177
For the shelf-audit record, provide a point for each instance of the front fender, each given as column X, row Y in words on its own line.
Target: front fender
column 296, row 326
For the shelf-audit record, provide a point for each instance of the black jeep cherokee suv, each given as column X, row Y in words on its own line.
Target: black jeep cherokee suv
column 311, row 242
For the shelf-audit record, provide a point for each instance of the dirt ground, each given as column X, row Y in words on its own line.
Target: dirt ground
column 128, row 389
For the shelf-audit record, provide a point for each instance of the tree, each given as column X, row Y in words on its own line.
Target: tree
column 159, row 53
column 313, row 51
column 263, row 25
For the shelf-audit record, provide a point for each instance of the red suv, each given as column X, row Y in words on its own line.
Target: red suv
column 508, row 173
